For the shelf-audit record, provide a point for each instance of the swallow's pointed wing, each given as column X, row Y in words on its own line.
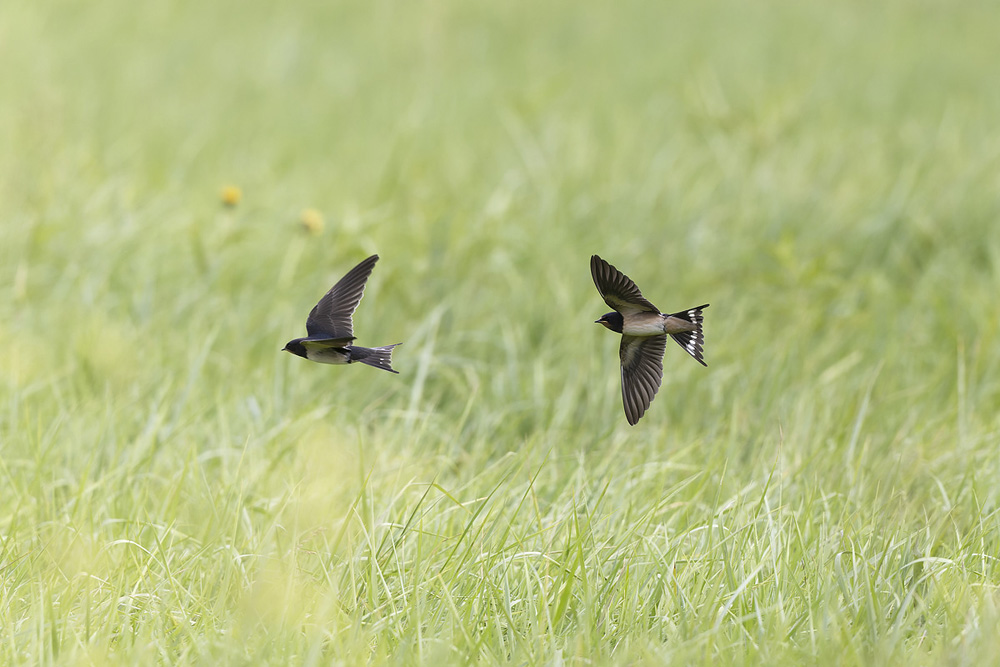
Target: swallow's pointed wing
column 642, row 370
column 618, row 290
column 331, row 317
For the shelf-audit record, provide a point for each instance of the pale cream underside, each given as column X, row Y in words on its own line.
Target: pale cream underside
column 647, row 326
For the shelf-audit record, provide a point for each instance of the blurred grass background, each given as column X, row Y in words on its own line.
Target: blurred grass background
column 827, row 176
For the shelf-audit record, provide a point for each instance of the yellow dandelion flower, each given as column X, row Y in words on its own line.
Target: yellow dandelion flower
column 312, row 221
column 231, row 195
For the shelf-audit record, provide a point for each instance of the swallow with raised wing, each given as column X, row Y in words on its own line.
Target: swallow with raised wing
column 331, row 329
column 644, row 331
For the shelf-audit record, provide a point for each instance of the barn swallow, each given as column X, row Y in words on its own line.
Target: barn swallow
column 331, row 330
column 644, row 331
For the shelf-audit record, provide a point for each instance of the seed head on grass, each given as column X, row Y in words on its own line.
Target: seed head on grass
column 230, row 195
column 311, row 221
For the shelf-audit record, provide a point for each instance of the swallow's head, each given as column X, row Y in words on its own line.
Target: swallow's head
column 612, row 320
column 295, row 347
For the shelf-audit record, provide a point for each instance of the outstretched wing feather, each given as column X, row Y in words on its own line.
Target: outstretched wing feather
column 642, row 372
column 617, row 289
column 332, row 316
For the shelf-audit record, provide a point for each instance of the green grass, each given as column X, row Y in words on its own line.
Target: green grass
column 173, row 489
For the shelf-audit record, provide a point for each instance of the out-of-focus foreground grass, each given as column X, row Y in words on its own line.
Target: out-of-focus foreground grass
column 175, row 489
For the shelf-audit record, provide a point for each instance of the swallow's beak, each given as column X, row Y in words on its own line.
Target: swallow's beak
column 597, row 321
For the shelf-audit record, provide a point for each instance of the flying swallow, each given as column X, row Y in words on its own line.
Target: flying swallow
column 644, row 331
column 331, row 329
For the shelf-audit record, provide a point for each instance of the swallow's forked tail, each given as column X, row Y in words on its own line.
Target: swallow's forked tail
column 692, row 341
column 379, row 357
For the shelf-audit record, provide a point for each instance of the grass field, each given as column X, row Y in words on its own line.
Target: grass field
column 173, row 489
